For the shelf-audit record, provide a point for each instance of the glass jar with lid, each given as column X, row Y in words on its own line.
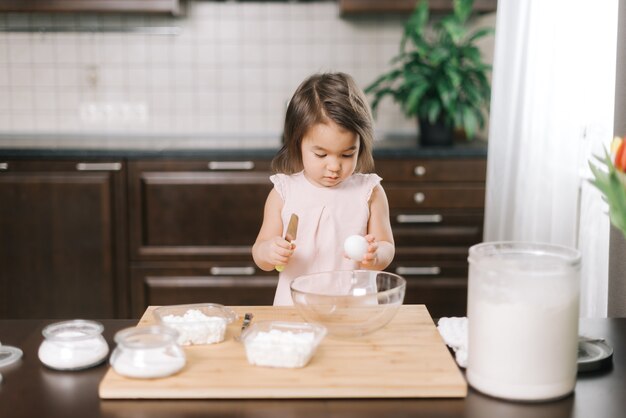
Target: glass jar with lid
column 147, row 352
column 73, row 345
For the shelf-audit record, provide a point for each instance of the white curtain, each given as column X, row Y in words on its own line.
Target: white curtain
column 553, row 90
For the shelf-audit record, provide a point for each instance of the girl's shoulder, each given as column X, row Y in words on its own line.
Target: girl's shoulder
column 285, row 178
column 367, row 179
column 282, row 182
column 365, row 183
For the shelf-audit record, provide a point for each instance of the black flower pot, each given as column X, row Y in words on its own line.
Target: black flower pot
column 436, row 134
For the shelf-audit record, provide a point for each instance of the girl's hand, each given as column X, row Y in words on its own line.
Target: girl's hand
column 370, row 258
column 279, row 251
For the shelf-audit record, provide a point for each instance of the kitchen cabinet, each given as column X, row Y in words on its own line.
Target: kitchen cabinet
column 353, row 7
column 63, row 246
column 117, row 6
column 108, row 237
column 193, row 223
column 437, row 211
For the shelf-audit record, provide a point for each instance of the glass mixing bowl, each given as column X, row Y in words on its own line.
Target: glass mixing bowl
column 349, row 303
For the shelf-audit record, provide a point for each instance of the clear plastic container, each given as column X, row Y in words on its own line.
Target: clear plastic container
column 147, row 352
column 73, row 345
column 200, row 323
column 282, row 344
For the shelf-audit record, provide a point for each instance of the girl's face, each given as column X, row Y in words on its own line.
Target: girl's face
column 329, row 154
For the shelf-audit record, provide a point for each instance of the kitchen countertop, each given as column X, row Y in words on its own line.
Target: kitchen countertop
column 29, row 389
column 103, row 147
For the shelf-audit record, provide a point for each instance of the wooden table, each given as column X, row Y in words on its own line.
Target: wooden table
column 29, row 389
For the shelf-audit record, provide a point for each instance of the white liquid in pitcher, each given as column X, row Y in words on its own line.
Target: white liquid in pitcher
column 523, row 334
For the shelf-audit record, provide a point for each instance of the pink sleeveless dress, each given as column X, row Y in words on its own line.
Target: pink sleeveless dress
column 327, row 216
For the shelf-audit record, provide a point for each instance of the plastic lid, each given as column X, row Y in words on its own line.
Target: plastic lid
column 593, row 354
column 9, row 355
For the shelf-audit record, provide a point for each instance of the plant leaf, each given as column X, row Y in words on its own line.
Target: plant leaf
column 453, row 29
column 434, row 111
column 462, row 9
column 470, row 122
column 414, row 27
column 612, row 184
column 479, row 33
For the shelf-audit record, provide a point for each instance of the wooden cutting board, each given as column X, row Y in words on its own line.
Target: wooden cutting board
column 405, row 359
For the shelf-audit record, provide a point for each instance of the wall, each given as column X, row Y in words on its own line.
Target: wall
column 219, row 76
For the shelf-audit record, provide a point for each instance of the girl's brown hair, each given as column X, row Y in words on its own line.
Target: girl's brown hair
column 321, row 97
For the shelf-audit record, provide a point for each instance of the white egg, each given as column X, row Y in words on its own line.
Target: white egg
column 355, row 247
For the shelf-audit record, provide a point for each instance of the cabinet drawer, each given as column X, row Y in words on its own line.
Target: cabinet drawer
column 430, row 196
column 415, row 269
column 234, row 284
column 192, row 211
column 441, row 297
column 376, row 7
column 436, row 277
column 93, row 6
column 433, row 170
column 437, row 227
column 453, row 235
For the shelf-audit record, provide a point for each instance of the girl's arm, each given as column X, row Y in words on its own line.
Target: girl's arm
column 381, row 247
column 270, row 248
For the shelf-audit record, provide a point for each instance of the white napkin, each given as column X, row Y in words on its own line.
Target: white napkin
column 453, row 330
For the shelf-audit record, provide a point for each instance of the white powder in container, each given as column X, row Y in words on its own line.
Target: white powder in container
column 147, row 364
column 73, row 345
column 276, row 348
column 147, row 352
column 194, row 327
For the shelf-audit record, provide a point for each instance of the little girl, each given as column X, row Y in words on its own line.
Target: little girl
column 328, row 139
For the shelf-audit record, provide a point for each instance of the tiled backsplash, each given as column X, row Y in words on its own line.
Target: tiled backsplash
column 224, row 70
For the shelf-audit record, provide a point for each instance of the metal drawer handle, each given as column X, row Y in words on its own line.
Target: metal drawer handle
column 418, row 271
column 419, row 219
column 231, row 165
column 232, row 271
column 4, row 166
column 419, row 197
column 99, row 166
column 420, row 170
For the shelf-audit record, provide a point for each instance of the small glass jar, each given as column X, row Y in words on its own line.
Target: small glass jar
column 147, row 352
column 73, row 345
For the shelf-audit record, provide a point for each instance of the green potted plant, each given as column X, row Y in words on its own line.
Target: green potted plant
column 439, row 76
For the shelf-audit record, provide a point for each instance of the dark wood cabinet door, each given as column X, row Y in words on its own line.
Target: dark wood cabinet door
column 235, row 284
column 349, row 7
column 185, row 210
column 62, row 247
